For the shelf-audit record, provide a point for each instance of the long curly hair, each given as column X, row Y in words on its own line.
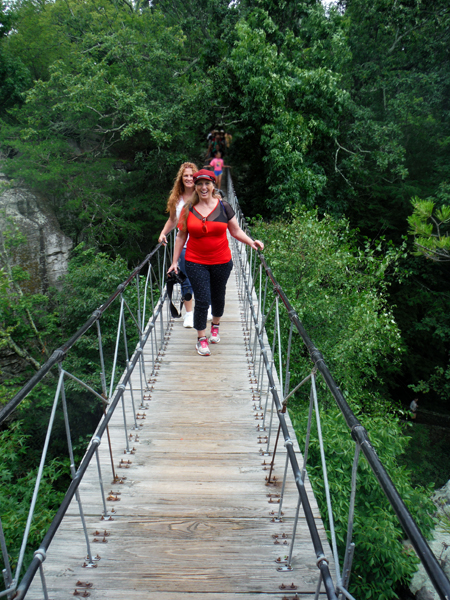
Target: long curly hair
column 178, row 188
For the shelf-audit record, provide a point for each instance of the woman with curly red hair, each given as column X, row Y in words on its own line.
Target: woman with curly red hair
column 182, row 192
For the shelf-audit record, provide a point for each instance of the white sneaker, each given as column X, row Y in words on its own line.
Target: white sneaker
column 188, row 319
column 209, row 317
column 214, row 337
column 202, row 347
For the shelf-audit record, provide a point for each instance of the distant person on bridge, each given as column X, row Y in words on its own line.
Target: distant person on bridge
column 208, row 257
column 413, row 408
column 211, row 135
column 218, row 166
column 216, row 144
column 223, row 142
column 183, row 191
column 228, row 140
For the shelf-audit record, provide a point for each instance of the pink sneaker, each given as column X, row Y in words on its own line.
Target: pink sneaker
column 214, row 337
column 202, row 347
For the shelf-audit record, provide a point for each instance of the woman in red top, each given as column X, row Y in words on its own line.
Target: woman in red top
column 208, row 257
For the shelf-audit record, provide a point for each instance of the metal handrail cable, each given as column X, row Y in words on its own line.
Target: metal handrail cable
column 322, row 562
column 13, row 584
column 95, row 442
column 358, row 432
column 360, row 435
column 58, row 355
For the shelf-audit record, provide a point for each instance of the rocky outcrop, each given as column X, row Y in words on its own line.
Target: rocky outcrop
column 421, row 585
column 45, row 252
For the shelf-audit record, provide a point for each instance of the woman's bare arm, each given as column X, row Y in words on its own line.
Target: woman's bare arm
column 171, row 223
column 238, row 234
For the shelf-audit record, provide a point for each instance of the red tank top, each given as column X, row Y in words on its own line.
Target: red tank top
column 209, row 247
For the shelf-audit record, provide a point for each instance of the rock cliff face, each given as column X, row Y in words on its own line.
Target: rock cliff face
column 421, row 585
column 45, row 253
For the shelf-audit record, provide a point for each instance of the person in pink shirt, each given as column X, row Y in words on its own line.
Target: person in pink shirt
column 218, row 166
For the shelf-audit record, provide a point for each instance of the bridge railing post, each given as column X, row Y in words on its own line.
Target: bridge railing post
column 257, row 324
column 141, row 359
column 142, row 372
column 43, row 582
column 102, row 489
column 350, row 546
column 127, row 363
column 152, row 333
column 326, row 484
column 116, row 349
column 38, row 479
column 105, row 396
column 6, row 572
column 72, row 460
column 287, row 566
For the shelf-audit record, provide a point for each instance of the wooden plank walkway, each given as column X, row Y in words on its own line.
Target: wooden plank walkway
column 193, row 520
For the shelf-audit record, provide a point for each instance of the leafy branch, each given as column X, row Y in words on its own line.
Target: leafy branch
column 429, row 228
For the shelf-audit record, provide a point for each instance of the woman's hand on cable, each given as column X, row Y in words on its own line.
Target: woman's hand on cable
column 257, row 245
column 162, row 239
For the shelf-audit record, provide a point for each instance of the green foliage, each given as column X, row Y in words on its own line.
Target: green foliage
column 206, row 24
column 429, row 228
column 293, row 105
column 90, row 279
column 421, row 304
column 14, row 81
column 398, row 132
column 428, row 455
column 339, row 294
column 26, row 320
column 14, row 76
column 438, row 383
column 109, row 114
column 33, row 324
column 17, row 482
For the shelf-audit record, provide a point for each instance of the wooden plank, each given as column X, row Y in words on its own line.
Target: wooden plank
column 194, row 516
column 201, row 555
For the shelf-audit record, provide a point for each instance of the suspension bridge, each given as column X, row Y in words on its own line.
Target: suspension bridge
column 193, row 484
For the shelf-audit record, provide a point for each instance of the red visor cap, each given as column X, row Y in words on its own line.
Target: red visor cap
column 204, row 174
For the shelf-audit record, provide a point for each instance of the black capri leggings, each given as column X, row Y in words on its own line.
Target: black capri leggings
column 209, row 283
